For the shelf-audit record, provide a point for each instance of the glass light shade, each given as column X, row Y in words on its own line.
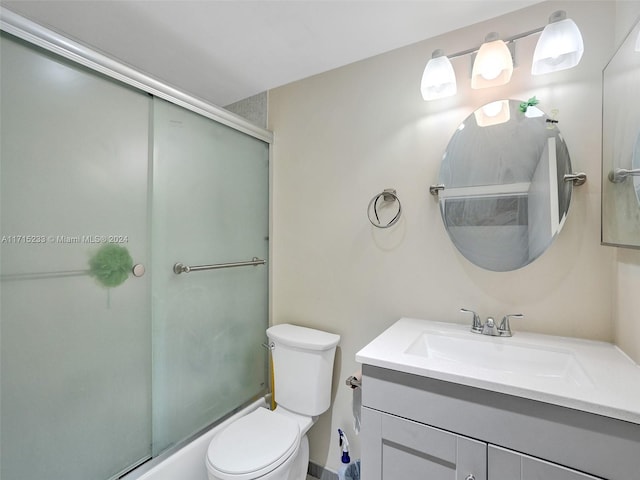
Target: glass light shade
column 493, row 113
column 638, row 42
column 438, row 79
column 493, row 65
column 559, row 47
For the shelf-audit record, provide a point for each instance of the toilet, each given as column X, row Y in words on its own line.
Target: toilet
column 273, row 445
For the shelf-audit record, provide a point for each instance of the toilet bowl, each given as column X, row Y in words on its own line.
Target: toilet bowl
column 262, row 444
column 272, row 445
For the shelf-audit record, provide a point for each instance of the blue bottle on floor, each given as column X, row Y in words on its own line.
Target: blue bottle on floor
column 348, row 470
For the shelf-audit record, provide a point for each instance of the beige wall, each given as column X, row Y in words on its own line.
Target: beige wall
column 627, row 293
column 343, row 136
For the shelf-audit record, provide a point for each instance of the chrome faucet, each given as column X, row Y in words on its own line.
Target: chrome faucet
column 489, row 327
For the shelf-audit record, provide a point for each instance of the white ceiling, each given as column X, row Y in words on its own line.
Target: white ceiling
column 224, row 51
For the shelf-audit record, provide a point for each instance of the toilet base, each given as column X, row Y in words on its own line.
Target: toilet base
column 301, row 463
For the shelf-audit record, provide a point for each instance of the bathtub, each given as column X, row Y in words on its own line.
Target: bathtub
column 187, row 463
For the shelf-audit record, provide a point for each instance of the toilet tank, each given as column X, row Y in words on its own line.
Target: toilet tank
column 303, row 367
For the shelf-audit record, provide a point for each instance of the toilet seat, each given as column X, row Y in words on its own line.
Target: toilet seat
column 253, row 445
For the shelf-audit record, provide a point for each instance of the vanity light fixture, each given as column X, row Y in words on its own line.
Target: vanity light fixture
column 493, row 65
column 438, row 79
column 559, row 47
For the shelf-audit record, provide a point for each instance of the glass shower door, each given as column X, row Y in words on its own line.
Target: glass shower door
column 210, row 206
column 74, row 323
column 99, row 371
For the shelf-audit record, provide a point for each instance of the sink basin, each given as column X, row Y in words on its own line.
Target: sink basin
column 592, row 376
column 504, row 356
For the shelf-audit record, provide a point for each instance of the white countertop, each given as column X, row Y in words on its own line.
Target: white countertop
column 595, row 377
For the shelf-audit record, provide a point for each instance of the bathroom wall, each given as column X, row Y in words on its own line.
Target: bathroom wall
column 343, row 136
column 627, row 261
column 253, row 108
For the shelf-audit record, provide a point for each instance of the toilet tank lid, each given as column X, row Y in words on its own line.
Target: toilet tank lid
column 302, row 337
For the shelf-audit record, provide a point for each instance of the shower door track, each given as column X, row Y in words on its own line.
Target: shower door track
column 31, row 32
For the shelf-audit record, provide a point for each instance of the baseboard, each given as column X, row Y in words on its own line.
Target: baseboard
column 318, row 471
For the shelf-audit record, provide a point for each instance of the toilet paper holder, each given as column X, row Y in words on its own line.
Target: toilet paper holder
column 353, row 382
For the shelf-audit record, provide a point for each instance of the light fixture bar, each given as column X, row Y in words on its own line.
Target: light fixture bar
column 559, row 47
column 506, row 40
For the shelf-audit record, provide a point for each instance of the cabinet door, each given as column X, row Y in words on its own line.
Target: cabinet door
column 394, row 448
column 508, row 465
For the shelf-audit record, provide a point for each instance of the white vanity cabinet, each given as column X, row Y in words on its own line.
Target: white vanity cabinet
column 416, row 427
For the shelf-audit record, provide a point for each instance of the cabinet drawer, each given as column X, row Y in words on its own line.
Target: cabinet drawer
column 507, row 465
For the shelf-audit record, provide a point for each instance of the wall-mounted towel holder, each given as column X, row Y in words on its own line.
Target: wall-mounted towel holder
column 386, row 196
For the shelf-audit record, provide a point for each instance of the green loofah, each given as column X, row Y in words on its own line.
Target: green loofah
column 524, row 106
column 111, row 265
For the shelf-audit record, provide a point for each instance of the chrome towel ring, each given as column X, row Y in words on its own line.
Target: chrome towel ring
column 377, row 202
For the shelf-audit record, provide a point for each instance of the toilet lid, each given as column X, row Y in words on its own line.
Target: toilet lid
column 254, row 444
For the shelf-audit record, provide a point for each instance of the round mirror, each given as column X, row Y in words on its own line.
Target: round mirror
column 504, row 198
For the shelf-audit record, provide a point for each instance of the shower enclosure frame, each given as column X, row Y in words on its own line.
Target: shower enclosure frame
column 46, row 39
column 35, row 34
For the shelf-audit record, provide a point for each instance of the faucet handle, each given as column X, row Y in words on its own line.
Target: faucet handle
column 504, row 329
column 476, row 326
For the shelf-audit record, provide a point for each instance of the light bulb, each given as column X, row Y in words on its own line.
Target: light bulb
column 493, row 65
